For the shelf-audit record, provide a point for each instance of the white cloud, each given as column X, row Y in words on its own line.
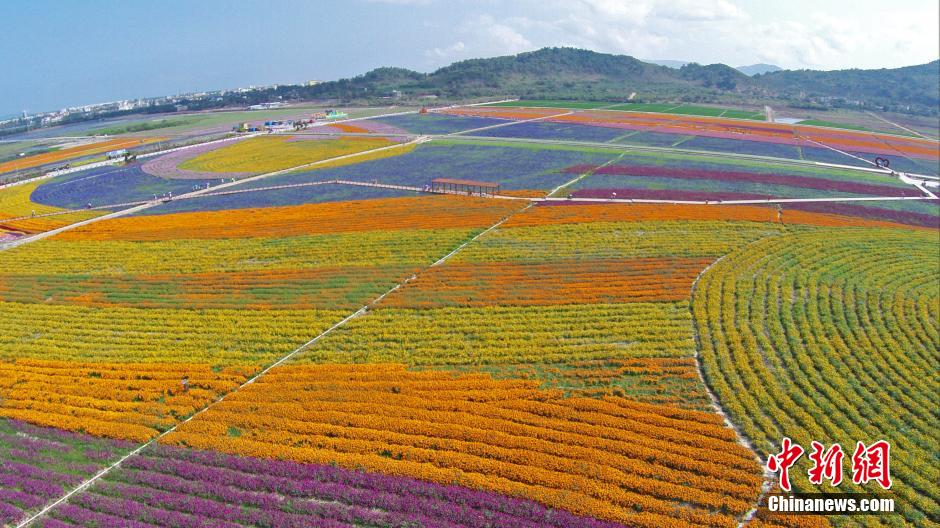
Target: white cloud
column 809, row 34
column 503, row 36
column 482, row 36
column 450, row 51
column 694, row 10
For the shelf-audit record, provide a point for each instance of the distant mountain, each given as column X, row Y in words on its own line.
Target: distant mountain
column 569, row 73
column 714, row 76
column 912, row 89
column 577, row 74
column 564, row 73
column 751, row 70
column 757, row 69
column 675, row 64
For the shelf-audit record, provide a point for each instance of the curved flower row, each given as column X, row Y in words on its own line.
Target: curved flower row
column 831, row 336
column 268, row 154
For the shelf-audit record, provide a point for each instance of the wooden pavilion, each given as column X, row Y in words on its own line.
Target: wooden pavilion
column 449, row 185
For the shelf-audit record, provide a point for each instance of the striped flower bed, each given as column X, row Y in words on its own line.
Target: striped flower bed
column 165, row 166
column 749, row 177
column 39, row 464
column 168, row 486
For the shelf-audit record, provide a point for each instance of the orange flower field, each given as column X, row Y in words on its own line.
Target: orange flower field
column 115, row 400
column 610, row 458
column 339, row 217
column 558, row 282
column 574, row 214
column 96, row 147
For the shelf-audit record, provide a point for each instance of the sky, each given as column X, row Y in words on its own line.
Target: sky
column 55, row 54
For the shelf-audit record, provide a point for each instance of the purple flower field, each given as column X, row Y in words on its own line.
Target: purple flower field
column 169, row 486
column 39, row 464
column 900, row 216
column 804, row 182
column 514, row 168
column 165, row 166
column 437, row 123
column 665, row 194
column 877, row 213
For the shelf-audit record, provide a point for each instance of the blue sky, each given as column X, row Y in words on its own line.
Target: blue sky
column 61, row 53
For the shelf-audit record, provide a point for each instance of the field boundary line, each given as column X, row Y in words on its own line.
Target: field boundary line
column 358, row 313
column 584, row 175
column 478, row 235
column 904, row 128
column 510, row 123
column 677, row 150
column 716, row 403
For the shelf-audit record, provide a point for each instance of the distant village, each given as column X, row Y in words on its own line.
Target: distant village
column 83, row 112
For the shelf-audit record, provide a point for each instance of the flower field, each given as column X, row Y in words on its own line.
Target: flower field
column 159, row 486
column 514, row 168
column 436, row 123
column 38, row 464
column 110, row 185
column 507, row 437
column 335, row 355
column 166, row 166
column 98, row 147
column 547, row 130
column 559, row 282
column 751, row 182
column 16, row 202
column 845, row 351
column 122, row 310
column 869, row 144
column 328, row 218
column 268, row 154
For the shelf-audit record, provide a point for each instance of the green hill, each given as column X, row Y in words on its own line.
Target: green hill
column 576, row 74
column 912, row 89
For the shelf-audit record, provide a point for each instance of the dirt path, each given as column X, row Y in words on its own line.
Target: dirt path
column 716, row 403
column 892, row 123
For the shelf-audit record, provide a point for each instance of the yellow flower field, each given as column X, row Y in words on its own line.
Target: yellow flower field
column 268, row 154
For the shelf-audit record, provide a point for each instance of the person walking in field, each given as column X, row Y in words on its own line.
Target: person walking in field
column 779, row 213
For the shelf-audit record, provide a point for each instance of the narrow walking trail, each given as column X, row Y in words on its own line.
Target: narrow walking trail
column 716, row 403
